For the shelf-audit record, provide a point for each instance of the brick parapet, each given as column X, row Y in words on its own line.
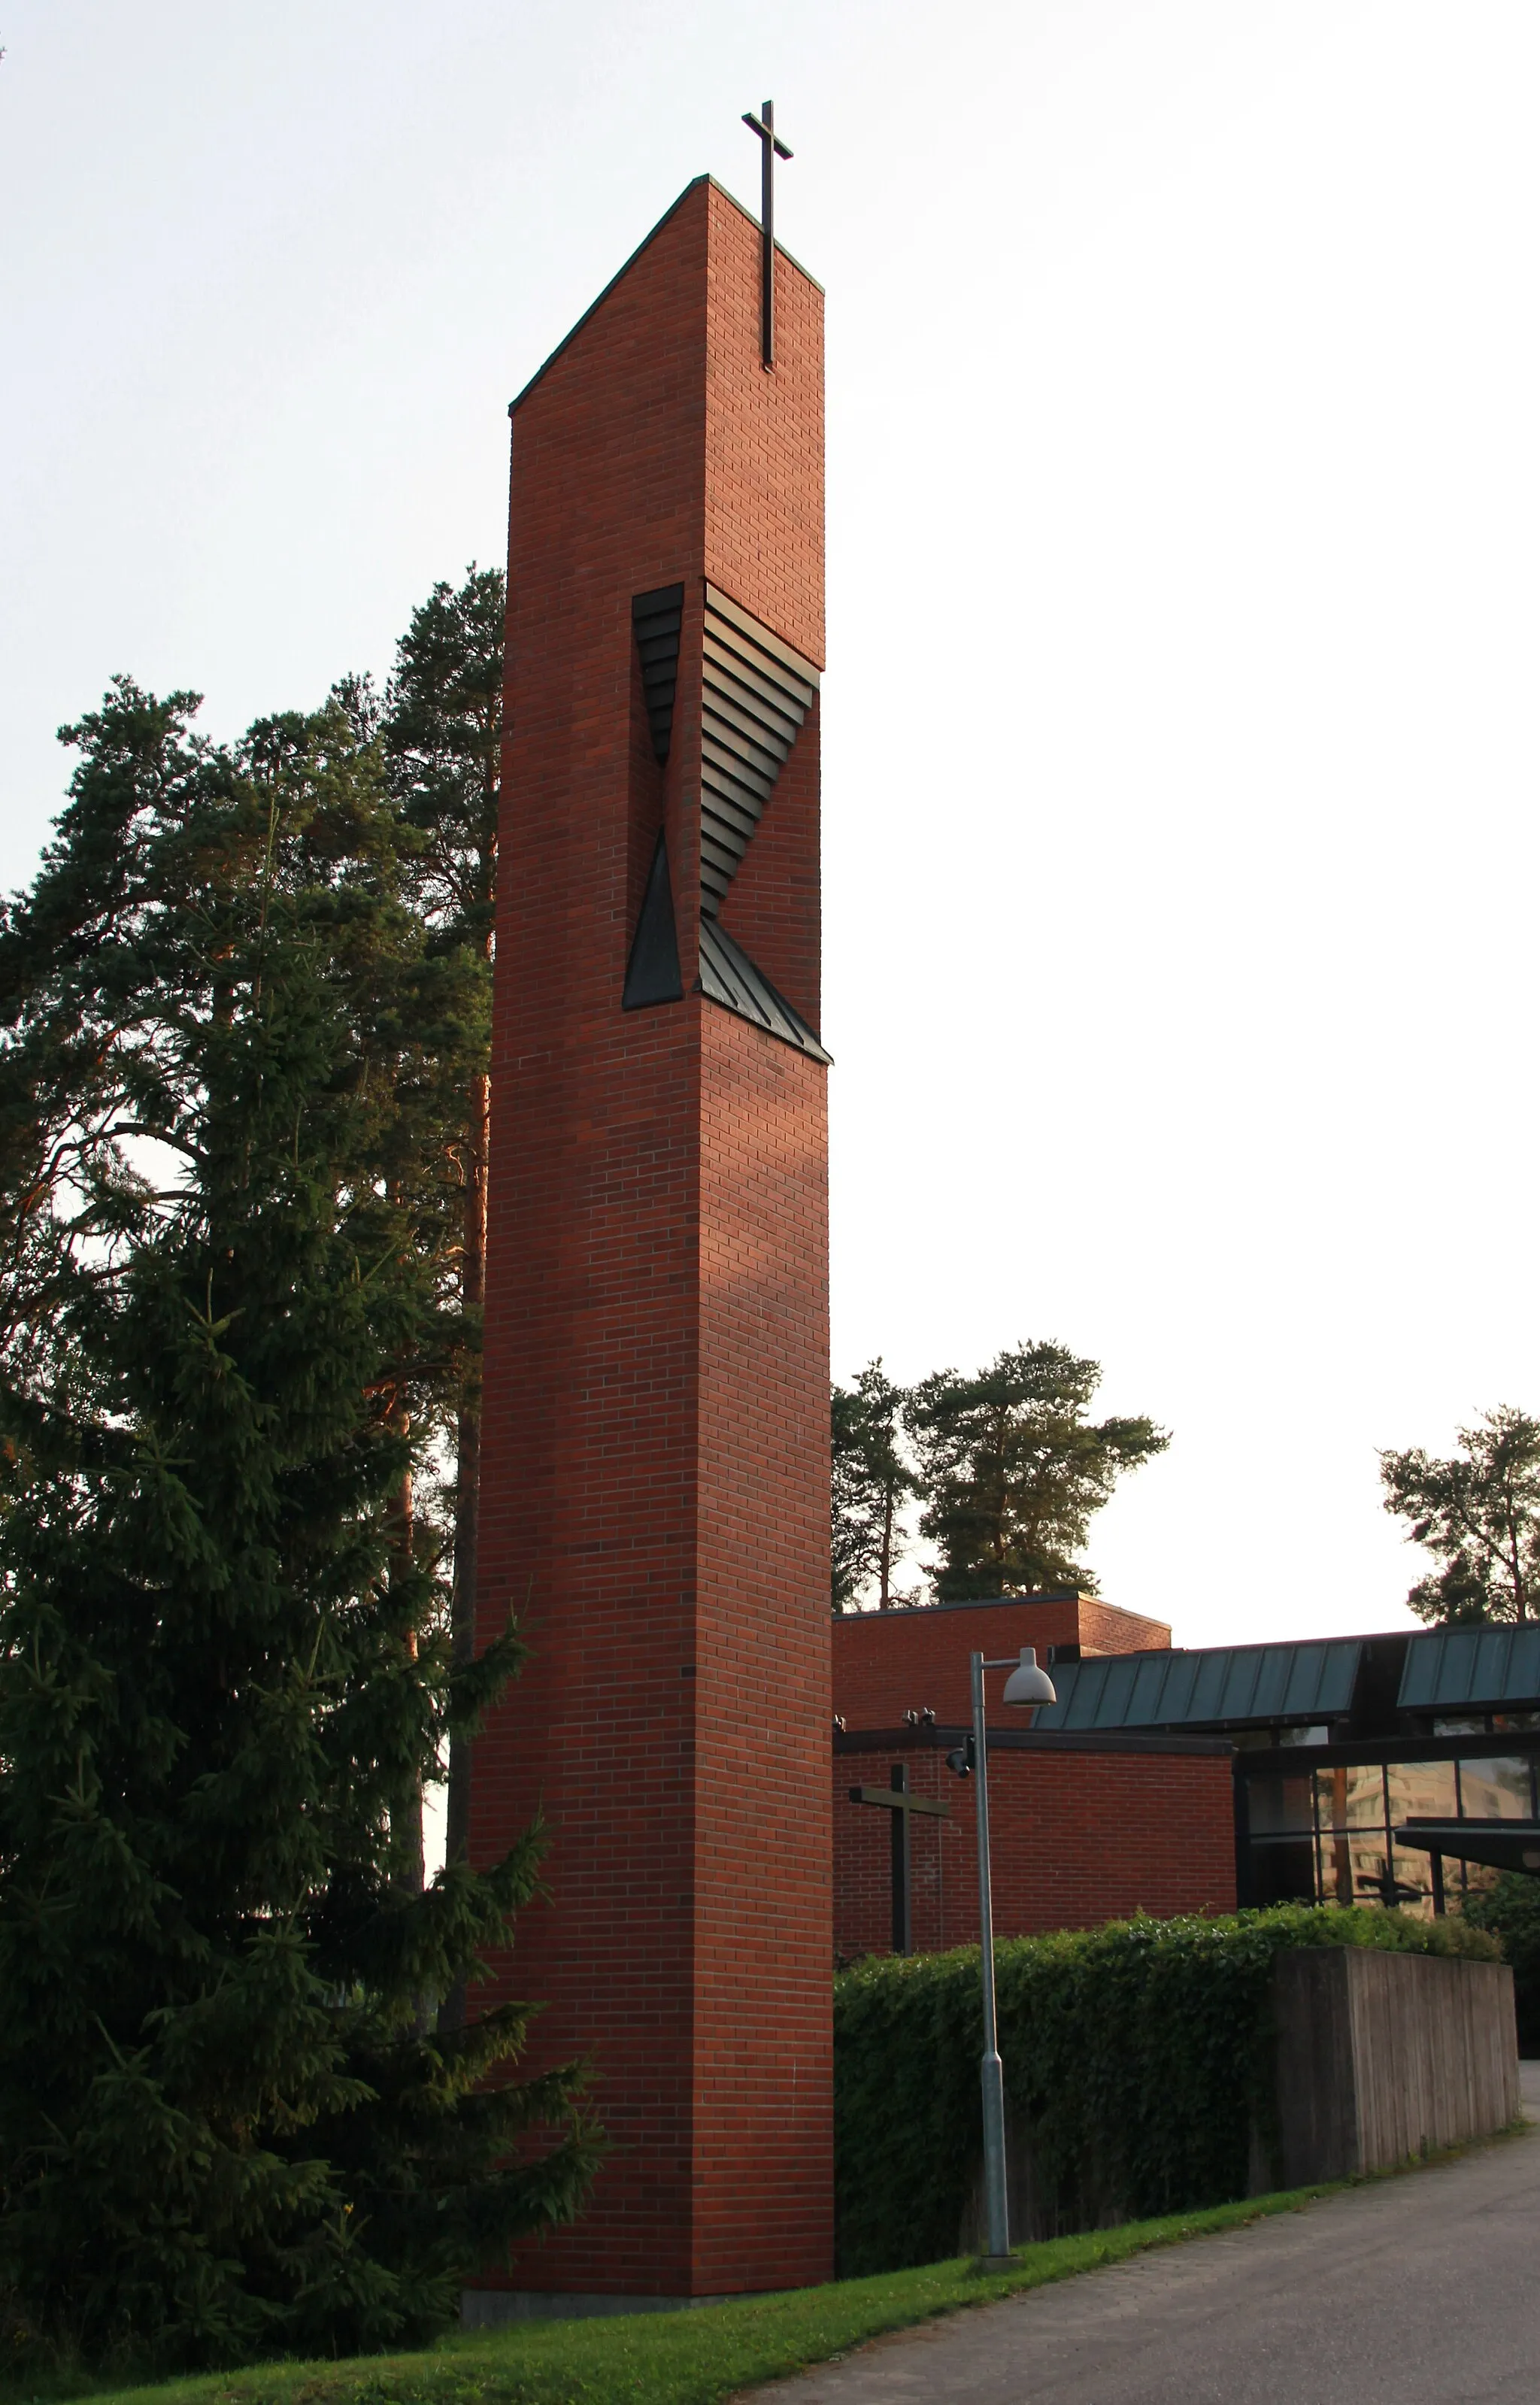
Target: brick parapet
column 888, row 1663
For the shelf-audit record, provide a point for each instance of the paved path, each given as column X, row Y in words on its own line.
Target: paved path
column 1422, row 2290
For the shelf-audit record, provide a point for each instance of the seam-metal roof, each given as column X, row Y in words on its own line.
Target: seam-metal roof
column 1217, row 1684
column 1452, row 1667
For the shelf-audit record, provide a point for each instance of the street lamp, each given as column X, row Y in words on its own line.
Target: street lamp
column 1025, row 1686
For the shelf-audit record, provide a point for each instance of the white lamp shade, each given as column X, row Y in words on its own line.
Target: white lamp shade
column 1027, row 1683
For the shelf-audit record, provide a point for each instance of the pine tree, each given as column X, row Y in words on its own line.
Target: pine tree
column 870, row 1483
column 1013, row 1470
column 443, row 745
column 230, row 1327
column 1478, row 1514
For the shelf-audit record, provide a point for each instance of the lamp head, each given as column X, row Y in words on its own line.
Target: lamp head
column 1028, row 1684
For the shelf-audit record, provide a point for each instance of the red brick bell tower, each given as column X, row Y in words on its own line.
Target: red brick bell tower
column 656, row 1465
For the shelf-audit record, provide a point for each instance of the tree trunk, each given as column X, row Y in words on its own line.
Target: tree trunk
column 885, row 1567
column 406, row 1822
column 462, row 1621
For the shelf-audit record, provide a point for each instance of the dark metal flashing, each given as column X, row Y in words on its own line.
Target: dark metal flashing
column 974, row 1603
column 1502, row 1845
column 728, row 976
column 1268, row 1761
column 934, row 1740
column 653, row 971
column 656, row 619
column 573, row 331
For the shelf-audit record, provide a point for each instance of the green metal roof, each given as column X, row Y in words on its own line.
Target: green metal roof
column 1453, row 1667
column 1222, row 1682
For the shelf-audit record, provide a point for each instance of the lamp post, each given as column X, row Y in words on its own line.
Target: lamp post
column 1026, row 1685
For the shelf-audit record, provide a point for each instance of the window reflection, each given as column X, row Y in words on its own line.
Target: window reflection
column 1351, row 1795
column 1424, row 1791
column 1330, row 1831
column 1495, row 1787
column 1279, row 1805
column 1413, row 1874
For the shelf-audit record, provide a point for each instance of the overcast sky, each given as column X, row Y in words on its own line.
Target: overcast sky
column 1184, row 535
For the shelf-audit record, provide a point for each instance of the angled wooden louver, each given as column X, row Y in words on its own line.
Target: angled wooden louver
column 755, row 693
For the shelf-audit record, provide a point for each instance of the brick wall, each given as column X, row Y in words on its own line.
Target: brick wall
column 889, row 1663
column 1077, row 1836
column 655, row 1458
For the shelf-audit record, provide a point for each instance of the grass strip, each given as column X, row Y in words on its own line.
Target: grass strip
column 687, row 2358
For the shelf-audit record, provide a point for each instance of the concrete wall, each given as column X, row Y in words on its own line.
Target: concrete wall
column 1380, row 2058
column 1385, row 2055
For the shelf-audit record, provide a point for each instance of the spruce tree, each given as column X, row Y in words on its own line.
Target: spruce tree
column 231, row 1320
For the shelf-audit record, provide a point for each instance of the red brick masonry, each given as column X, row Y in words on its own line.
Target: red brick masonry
column 656, row 1474
column 888, row 1663
column 1080, row 1831
column 1083, row 1829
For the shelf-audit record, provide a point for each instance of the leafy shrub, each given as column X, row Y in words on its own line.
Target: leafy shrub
column 1511, row 1911
column 1139, row 2056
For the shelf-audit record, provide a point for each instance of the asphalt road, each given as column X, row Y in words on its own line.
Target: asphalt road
column 1420, row 2290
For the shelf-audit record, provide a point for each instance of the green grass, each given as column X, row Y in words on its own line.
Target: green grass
column 685, row 2358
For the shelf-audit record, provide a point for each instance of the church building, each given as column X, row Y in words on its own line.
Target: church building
column 1395, row 1770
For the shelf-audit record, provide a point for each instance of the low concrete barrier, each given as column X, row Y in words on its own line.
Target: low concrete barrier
column 1385, row 2055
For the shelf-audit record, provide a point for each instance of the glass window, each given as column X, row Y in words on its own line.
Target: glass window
column 1470, row 1724
column 1313, row 1736
column 1283, row 1871
column 1372, row 1874
column 1495, row 1787
column 1413, row 1874
column 1336, row 1870
column 1275, row 1804
column 1516, row 1720
column 1351, row 1795
column 1423, row 1790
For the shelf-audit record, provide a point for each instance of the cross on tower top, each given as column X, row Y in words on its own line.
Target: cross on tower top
column 770, row 148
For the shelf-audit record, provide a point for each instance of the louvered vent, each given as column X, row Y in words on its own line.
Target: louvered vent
column 756, row 691
column 655, row 620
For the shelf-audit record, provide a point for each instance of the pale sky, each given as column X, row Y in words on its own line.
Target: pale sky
column 1185, row 513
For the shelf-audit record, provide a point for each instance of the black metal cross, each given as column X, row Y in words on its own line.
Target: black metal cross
column 772, row 149
column 901, row 1804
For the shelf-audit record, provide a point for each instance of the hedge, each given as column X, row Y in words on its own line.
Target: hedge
column 1139, row 2056
column 1511, row 1910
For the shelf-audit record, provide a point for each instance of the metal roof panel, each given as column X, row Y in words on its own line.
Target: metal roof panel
column 1449, row 1667
column 1184, row 1688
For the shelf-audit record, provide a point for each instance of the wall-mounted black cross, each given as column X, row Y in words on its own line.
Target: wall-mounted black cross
column 772, row 149
column 901, row 1804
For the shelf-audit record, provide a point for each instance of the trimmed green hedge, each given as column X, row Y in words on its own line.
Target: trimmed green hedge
column 1138, row 2055
column 1511, row 1910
